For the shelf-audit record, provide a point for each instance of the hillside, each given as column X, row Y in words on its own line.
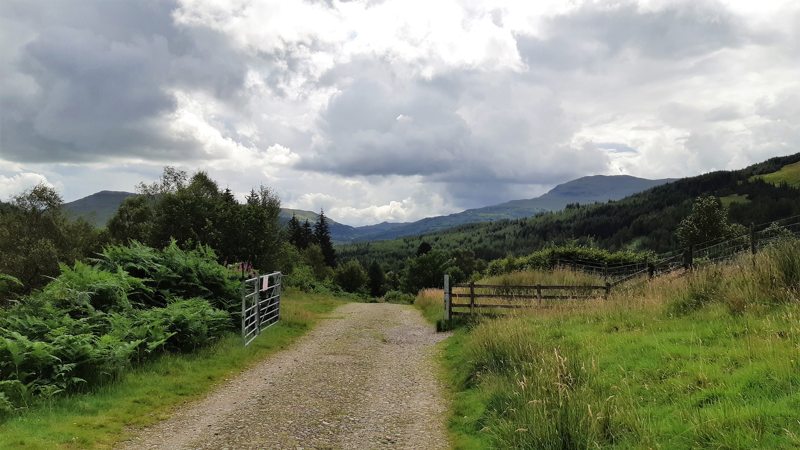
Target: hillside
column 100, row 207
column 97, row 208
column 646, row 220
column 584, row 190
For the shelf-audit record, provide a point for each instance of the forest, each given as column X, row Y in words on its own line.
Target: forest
column 642, row 222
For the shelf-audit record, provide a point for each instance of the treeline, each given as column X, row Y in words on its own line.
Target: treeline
column 643, row 222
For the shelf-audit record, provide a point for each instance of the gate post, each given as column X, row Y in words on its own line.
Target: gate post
column 257, row 296
column 244, row 307
column 447, row 300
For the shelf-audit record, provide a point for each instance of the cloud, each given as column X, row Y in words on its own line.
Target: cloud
column 392, row 109
column 17, row 183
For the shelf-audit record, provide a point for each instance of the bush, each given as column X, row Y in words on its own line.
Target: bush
column 175, row 273
column 190, row 324
column 351, row 276
column 398, row 297
column 548, row 258
column 91, row 323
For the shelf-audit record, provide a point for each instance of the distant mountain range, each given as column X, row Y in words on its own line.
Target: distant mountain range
column 98, row 208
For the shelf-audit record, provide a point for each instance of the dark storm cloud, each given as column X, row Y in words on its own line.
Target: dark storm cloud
column 102, row 73
column 597, row 32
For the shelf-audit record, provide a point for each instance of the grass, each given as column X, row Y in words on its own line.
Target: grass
column 431, row 303
column 789, row 174
column 559, row 277
column 706, row 360
column 148, row 394
column 729, row 200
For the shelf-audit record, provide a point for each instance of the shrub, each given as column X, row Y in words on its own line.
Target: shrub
column 190, row 324
column 175, row 273
column 398, row 297
column 351, row 276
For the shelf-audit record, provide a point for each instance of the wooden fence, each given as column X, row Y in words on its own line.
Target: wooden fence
column 466, row 299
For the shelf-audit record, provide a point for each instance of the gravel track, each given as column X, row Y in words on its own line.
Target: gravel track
column 363, row 378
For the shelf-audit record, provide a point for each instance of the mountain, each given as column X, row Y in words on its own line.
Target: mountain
column 584, row 190
column 339, row 231
column 758, row 194
column 97, row 208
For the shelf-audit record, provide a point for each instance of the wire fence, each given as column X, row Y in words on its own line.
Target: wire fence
column 709, row 252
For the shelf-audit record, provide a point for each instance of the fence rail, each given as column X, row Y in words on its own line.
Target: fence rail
column 711, row 252
column 492, row 296
column 261, row 304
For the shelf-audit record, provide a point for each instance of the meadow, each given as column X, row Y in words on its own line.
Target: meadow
column 704, row 359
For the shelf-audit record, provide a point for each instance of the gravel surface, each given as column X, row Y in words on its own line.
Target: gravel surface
column 363, row 378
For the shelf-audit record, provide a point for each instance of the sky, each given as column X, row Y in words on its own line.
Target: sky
column 391, row 110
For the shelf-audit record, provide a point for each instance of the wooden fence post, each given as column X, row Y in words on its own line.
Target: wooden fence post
column 752, row 240
column 447, row 296
column 471, row 297
column 688, row 257
column 539, row 293
column 607, row 291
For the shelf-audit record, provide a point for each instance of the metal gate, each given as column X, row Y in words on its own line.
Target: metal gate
column 261, row 304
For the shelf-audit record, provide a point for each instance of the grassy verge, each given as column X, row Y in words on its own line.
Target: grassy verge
column 147, row 394
column 708, row 360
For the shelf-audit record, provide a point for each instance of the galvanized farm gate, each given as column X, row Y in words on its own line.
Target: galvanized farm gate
column 466, row 299
column 261, row 304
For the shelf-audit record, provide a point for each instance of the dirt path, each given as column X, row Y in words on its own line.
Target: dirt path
column 362, row 379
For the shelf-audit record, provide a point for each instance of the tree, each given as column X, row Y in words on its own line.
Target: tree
column 423, row 248
column 36, row 235
column 426, row 271
column 377, row 279
column 307, row 235
column 322, row 237
column 133, row 220
column 351, row 276
column 294, row 230
column 194, row 211
column 708, row 221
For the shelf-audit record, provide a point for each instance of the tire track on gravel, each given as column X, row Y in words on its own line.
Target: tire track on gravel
column 363, row 378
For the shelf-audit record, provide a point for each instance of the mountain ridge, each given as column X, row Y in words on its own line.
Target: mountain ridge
column 99, row 207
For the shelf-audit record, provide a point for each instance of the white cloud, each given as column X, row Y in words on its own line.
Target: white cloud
column 17, row 183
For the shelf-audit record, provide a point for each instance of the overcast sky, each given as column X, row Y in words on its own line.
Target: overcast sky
column 396, row 109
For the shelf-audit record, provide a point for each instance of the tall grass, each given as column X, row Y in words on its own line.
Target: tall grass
column 558, row 277
column 707, row 359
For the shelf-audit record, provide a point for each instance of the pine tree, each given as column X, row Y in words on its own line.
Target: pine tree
column 306, row 236
column 322, row 235
column 376, row 279
column 295, row 232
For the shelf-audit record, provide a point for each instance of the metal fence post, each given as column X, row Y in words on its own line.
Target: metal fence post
column 257, row 296
column 447, row 297
column 244, row 307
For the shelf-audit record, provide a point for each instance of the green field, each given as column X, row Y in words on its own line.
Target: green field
column 789, row 174
column 707, row 360
column 733, row 199
column 147, row 394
